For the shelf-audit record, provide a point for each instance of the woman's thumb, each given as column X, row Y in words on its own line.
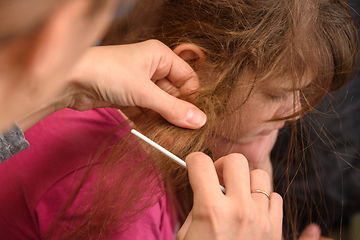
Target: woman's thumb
column 178, row 112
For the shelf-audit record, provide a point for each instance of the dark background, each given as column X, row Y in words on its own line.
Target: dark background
column 330, row 174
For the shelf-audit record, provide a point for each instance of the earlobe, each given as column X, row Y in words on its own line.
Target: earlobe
column 191, row 53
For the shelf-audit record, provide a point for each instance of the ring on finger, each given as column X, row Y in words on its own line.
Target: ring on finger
column 261, row 191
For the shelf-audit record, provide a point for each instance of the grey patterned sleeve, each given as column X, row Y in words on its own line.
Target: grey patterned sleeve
column 12, row 142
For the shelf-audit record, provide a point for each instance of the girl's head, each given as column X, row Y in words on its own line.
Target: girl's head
column 259, row 62
column 39, row 42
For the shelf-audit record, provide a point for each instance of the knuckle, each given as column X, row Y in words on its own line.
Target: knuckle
column 237, row 158
column 250, row 217
column 246, row 215
column 260, row 174
column 275, row 197
column 178, row 105
column 198, row 157
column 210, row 213
column 262, row 223
column 266, row 228
column 154, row 43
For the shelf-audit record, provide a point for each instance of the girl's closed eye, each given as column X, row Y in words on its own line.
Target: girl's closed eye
column 277, row 96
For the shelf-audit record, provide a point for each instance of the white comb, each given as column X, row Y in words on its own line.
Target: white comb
column 164, row 151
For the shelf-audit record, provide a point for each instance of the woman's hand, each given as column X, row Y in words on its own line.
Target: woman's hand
column 123, row 76
column 238, row 214
column 127, row 76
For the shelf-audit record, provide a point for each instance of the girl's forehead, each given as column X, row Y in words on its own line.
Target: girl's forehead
column 288, row 82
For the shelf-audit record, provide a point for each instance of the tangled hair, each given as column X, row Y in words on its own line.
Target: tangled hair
column 271, row 39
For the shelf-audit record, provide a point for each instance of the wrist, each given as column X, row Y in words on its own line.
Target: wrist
column 83, row 70
column 56, row 104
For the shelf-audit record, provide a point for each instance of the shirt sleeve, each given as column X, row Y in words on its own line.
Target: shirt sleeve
column 12, row 142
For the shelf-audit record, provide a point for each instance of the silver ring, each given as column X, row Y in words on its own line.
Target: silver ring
column 261, row 191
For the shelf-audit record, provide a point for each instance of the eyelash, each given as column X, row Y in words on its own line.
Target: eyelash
column 277, row 97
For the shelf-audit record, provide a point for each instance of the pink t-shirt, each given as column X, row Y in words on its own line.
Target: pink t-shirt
column 35, row 183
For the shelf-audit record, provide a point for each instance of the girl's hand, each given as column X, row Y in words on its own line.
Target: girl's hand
column 238, row 214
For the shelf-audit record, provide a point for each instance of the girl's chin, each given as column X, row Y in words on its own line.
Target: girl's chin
column 266, row 133
column 221, row 146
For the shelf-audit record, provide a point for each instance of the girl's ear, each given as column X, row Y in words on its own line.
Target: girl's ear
column 191, row 53
column 194, row 56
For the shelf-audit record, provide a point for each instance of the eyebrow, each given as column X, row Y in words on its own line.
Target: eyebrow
column 285, row 89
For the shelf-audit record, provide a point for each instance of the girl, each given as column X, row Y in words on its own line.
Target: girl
column 259, row 64
column 276, row 48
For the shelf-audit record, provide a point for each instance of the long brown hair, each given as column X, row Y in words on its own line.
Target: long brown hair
column 268, row 38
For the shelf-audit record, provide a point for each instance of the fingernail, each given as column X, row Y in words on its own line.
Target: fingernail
column 195, row 117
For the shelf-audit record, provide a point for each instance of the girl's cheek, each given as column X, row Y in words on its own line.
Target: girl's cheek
column 219, row 147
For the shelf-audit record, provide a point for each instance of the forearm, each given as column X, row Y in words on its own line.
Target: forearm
column 31, row 120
